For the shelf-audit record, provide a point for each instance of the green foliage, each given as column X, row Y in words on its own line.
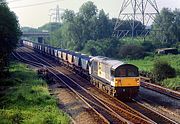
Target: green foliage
column 93, row 48
column 28, row 100
column 68, row 16
column 173, row 83
column 104, row 47
column 147, row 63
column 129, row 41
column 168, row 24
column 131, row 51
column 162, row 70
column 90, row 31
column 88, row 10
column 9, row 33
column 78, row 28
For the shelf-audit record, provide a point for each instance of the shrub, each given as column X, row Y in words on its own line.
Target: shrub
column 162, row 70
column 148, row 46
column 94, row 48
column 131, row 51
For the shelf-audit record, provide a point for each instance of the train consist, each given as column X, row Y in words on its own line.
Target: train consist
column 112, row 76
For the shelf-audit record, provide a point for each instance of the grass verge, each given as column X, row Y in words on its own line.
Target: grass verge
column 146, row 64
column 27, row 99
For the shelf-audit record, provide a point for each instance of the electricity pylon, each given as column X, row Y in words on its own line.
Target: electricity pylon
column 55, row 14
column 55, row 17
column 135, row 13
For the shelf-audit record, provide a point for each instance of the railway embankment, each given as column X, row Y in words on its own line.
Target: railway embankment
column 25, row 98
column 147, row 65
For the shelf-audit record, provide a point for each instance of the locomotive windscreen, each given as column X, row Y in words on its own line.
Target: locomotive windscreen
column 126, row 71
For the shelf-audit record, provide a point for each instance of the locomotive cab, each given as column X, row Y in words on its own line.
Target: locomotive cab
column 126, row 80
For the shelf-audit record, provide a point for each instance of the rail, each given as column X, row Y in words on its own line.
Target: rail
column 146, row 82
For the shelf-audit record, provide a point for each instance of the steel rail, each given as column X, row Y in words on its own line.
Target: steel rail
column 106, row 107
column 133, row 117
column 79, row 95
column 145, row 82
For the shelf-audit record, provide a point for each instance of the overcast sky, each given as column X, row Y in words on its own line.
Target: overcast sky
column 35, row 16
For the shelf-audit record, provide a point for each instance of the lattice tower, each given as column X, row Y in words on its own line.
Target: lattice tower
column 136, row 13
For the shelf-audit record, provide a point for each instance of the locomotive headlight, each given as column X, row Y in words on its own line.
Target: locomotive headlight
column 137, row 79
column 118, row 81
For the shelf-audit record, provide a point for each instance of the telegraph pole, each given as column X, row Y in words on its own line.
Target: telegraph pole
column 136, row 13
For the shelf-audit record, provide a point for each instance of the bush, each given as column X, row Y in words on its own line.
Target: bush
column 148, row 46
column 131, row 51
column 162, row 70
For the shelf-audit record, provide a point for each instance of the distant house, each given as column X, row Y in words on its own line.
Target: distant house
column 167, row 51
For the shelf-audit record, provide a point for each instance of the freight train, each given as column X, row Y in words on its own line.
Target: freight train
column 115, row 77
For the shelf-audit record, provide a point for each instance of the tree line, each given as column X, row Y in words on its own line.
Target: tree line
column 90, row 31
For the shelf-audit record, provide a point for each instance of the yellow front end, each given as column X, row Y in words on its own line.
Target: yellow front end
column 127, row 82
column 126, row 87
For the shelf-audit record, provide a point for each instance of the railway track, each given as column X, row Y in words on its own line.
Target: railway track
column 142, row 111
column 116, row 105
column 111, row 115
column 160, row 119
column 145, row 82
column 53, row 73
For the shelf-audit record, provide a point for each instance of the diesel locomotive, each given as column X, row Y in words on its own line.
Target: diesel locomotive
column 115, row 77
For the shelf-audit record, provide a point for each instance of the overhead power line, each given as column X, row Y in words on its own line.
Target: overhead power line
column 11, row 1
column 36, row 4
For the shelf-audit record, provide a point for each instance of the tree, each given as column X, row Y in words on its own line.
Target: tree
column 88, row 10
column 9, row 33
column 87, row 24
column 162, row 70
column 176, row 24
column 168, row 24
column 68, row 16
column 131, row 51
column 103, row 25
column 94, row 48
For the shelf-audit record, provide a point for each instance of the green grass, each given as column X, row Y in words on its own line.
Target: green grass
column 146, row 64
column 27, row 99
column 172, row 83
